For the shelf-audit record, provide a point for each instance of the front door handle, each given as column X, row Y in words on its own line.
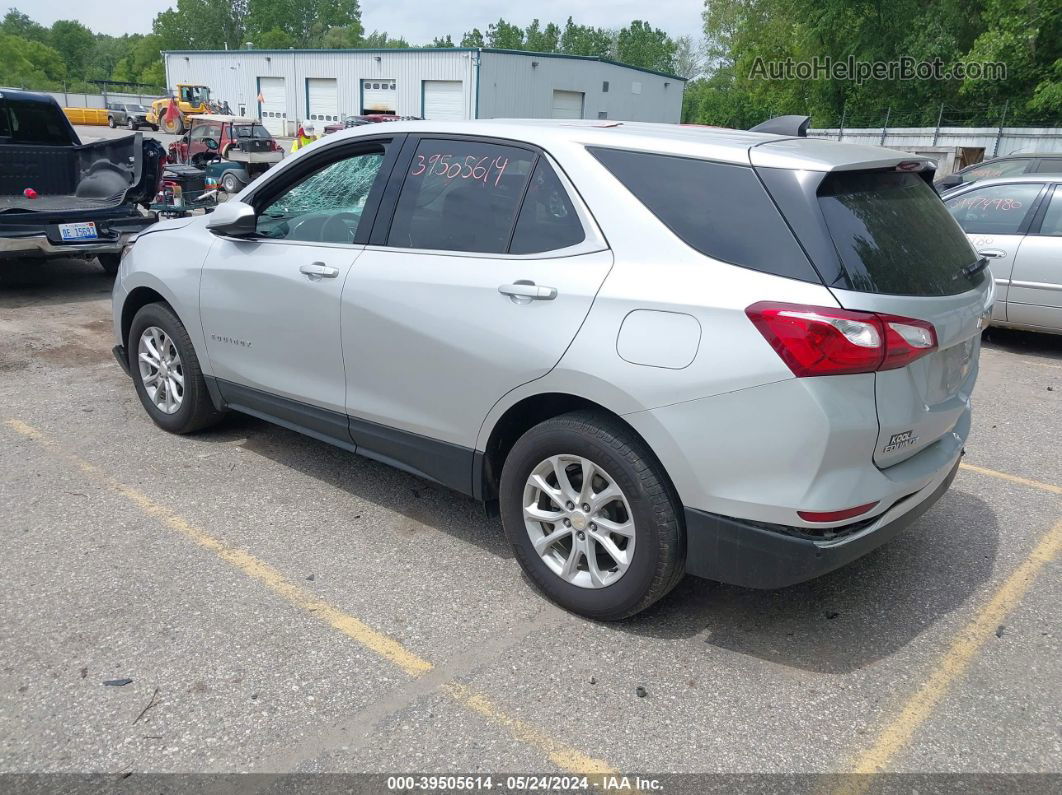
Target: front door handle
column 992, row 253
column 318, row 270
column 523, row 291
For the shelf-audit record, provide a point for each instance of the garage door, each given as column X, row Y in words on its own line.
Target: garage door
column 567, row 104
column 322, row 99
column 273, row 104
column 444, row 99
column 378, row 96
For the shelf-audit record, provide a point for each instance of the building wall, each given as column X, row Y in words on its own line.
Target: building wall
column 994, row 140
column 233, row 75
column 510, row 87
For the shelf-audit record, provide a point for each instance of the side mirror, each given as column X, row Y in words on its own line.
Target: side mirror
column 211, row 144
column 233, row 219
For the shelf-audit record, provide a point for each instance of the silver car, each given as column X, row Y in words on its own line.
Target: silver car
column 652, row 349
column 1016, row 223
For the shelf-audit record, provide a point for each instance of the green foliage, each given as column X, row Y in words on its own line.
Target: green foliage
column 473, row 38
column 639, row 44
column 379, row 40
column 586, row 40
column 442, row 42
column 505, row 36
column 28, row 63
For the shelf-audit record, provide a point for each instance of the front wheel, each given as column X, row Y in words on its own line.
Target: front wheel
column 166, row 372
column 110, row 122
column 131, row 124
column 592, row 517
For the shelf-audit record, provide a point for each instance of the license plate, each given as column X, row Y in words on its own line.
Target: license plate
column 85, row 230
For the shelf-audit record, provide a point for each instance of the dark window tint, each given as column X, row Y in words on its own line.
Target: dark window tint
column 326, row 206
column 547, row 219
column 35, row 122
column 721, row 210
column 461, row 196
column 995, row 210
column 893, row 234
column 1050, row 165
column 998, row 168
column 251, row 131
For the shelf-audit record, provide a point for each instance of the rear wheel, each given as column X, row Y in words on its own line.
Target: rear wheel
column 591, row 516
column 131, row 124
column 166, row 372
column 173, row 126
column 110, row 122
column 110, row 262
column 230, row 184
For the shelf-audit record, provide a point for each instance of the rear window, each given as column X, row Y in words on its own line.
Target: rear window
column 893, row 234
column 251, row 131
column 719, row 209
column 34, row 122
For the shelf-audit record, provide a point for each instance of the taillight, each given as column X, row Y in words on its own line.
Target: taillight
column 818, row 340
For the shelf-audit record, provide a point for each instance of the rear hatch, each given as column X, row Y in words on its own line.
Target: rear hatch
column 883, row 242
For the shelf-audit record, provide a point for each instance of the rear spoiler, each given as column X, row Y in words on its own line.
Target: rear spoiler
column 785, row 125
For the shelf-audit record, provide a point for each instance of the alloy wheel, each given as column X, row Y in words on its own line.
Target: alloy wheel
column 579, row 521
column 161, row 370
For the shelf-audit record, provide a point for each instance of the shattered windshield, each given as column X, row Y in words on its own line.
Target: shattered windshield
column 326, row 206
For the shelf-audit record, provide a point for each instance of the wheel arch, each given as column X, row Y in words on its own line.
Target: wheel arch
column 523, row 415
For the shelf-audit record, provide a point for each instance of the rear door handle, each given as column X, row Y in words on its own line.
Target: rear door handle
column 318, row 270
column 523, row 291
column 992, row 253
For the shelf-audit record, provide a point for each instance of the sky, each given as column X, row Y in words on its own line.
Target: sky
column 418, row 22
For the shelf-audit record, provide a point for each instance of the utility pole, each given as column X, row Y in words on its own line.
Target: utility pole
column 840, row 130
column 940, row 118
column 885, row 126
column 999, row 132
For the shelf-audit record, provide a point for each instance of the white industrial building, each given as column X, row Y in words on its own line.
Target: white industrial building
column 287, row 87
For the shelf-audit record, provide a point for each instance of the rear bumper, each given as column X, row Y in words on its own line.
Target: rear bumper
column 41, row 245
column 743, row 553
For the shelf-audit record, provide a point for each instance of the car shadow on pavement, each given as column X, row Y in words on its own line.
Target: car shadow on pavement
column 849, row 618
column 419, row 500
column 29, row 282
column 1045, row 346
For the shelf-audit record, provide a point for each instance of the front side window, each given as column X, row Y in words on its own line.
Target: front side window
column 327, row 205
column 995, row 210
column 461, row 196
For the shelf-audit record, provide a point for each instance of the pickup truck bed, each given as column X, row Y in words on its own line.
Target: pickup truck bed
column 97, row 185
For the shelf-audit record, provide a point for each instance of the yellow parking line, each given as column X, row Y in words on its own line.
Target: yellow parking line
column 560, row 754
column 953, row 663
column 1033, row 484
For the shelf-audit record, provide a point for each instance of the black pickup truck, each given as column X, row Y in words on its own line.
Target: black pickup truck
column 62, row 198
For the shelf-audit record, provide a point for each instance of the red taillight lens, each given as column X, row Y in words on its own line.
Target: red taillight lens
column 818, row 340
column 835, row 516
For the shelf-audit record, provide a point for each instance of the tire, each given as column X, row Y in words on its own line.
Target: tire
column 175, row 127
column 657, row 562
column 110, row 262
column 131, row 124
column 154, row 127
column 196, row 411
column 110, row 122
column 230, row 184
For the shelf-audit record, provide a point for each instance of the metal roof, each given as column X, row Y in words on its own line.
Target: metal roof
column 382, row 50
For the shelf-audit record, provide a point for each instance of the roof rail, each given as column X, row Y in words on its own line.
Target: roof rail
column 785, row 125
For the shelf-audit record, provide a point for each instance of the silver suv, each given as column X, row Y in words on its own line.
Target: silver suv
column 655, row 350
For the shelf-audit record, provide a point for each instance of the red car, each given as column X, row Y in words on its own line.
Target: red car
column 368, row 118
column 236, row 138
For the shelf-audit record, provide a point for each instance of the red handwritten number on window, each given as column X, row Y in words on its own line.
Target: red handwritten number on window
column 975, row 203
column 474, row 167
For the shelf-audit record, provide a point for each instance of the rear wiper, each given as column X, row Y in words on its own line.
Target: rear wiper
column 974, row 268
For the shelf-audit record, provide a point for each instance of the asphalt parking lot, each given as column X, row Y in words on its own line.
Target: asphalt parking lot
column 280, row 605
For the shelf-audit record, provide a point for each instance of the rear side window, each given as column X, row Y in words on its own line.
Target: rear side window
column 893, row 234
column 998, row 168
column 461, row 196
column 719, row 209
column 995, row 210
column 547, row 219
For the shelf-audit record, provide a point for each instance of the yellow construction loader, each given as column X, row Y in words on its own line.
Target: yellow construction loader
column 170, row 114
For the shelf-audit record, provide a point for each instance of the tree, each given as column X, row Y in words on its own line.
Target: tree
column 142, row 63
column 15, row 23
column 75, row 43
column 442, row 42
column 539, row 39
column 204, row 25
column 505, row 36
column 639, row 44
column 25, row 62
column 586, row 40
column 473, row 38
column 689, row 58
column 379, row 40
